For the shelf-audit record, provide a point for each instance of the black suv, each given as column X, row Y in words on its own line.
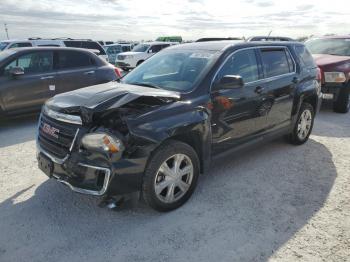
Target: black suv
column 158, row 129
column 29, row 76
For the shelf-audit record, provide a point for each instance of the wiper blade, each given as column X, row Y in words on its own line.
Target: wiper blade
column 145, row 84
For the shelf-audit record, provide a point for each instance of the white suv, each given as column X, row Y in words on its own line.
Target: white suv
column 63, row 42
column 141, row 52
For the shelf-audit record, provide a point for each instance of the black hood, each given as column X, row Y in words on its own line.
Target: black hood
column 105, row 96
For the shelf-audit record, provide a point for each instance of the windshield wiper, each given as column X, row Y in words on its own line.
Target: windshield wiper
column 145, row 84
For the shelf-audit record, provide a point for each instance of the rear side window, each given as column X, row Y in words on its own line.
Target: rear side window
column 72, row 59
column 244, row 64
column 275, row 62
column 304, row 56
column 17, row 45
column 156, row 48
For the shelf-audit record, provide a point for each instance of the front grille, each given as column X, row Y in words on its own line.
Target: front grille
column 121, row 57
column 57, row 144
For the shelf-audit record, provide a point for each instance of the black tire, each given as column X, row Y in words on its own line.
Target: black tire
column 342, row 104
column 139, row 62
column 295, row 138
column 152, row 173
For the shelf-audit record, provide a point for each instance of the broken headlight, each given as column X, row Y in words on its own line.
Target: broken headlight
column 102, row 142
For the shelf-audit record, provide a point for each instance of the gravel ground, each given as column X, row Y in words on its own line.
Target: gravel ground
column 275, row 203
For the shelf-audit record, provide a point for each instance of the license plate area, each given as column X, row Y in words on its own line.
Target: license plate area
column 327, row 96
column 45, row 164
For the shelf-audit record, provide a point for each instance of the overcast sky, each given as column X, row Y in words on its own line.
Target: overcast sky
column 192, row 19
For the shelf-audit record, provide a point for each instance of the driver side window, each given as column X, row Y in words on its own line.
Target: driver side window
column 242, row 63
column 38, row 62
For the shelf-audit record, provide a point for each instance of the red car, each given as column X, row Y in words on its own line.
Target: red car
column 332, row 55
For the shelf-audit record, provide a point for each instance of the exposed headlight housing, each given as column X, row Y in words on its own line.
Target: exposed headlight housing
column 102, row 142
column 334, row 77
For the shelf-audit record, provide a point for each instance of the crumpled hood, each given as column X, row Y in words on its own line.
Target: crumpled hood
column 325, row 60
column 104, row 97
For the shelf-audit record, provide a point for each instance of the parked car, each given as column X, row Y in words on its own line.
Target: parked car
column 177, row 39
column 114, row 49
column 269, row 38
column 140, row 53
column 30, row 76
column 159, row 128
column 332, row 55
column 55, row 42
column 105, row 42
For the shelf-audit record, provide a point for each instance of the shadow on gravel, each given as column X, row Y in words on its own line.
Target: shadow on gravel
column 17, row 130
column 331, row 124
column 244, row 209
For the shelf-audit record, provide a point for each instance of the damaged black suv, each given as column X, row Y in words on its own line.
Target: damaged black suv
column 158, row 128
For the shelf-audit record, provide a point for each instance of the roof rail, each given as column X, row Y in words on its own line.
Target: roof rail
column 34, row 38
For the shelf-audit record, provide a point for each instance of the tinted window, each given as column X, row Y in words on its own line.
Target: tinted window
column 86, row 45
column 304, row 55
column 38, row 62
column 17, row 45
column 126, row 48
column 72, row 59
column 156, row 48
column 244, row 64
column 275, row 62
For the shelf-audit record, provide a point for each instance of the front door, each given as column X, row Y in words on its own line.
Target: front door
column 235, row 111
column 30, row 90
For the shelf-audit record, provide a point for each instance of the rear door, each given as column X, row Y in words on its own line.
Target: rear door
column 280, row 79
column 75, row 69
column 31, row 90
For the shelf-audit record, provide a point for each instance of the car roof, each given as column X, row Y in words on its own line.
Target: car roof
column 223, row 45
column 50, row 48
column 159, row 42
column 115, row 44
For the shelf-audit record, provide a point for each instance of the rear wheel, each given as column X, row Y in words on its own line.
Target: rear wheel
column 303, row 126
column 342, row 104
column 171, row 176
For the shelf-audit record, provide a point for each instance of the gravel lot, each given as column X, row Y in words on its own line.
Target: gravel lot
column 275, row 203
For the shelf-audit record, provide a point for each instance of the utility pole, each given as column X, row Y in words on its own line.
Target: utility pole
column 6, row 30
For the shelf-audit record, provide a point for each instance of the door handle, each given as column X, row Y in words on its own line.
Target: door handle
column 259, row 89
column 46, row 77
column 89, row 73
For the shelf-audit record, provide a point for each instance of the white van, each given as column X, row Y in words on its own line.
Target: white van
column 141, row 52
column 63, row 42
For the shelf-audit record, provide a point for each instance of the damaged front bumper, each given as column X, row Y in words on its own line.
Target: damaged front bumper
column 91, row 174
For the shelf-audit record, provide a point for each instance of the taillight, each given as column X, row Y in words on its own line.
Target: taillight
column 117, row 72
column 319, row 75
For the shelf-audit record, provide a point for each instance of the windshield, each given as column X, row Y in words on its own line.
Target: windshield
column 176, row 70
column 6, row 53
column 3, row 45
column 140, row 48
column 329, row 46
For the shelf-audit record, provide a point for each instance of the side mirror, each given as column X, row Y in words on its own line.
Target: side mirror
column 16, row 71
column 229, row 82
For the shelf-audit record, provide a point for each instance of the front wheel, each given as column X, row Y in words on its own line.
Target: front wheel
column 171, row 176
column 303, row 126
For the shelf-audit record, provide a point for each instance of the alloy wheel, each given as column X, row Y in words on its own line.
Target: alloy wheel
column 304, row 124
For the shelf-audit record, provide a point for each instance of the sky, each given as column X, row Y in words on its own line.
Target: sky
column 191, row 19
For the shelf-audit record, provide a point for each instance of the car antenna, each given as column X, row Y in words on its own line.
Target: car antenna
column 6, row 30
column 269, row 34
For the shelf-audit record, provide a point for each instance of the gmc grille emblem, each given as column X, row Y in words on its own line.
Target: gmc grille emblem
column 52, row 131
